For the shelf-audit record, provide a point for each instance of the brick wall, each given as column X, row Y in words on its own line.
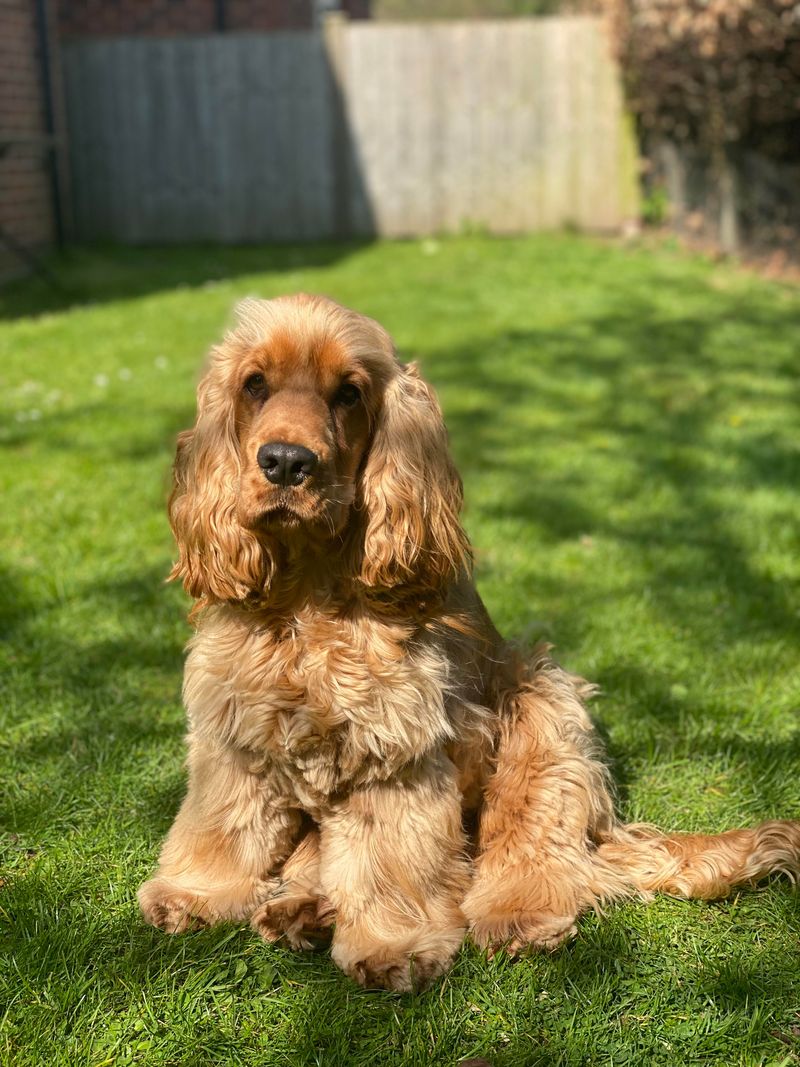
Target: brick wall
column 88, row 18
column 26, row 210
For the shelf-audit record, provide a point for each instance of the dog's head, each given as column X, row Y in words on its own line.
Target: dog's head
column 311, row 437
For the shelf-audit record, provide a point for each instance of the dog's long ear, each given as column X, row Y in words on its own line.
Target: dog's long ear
column 218, row 558
column 411, row 495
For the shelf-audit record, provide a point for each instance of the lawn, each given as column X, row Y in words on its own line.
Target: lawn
column 626, row 420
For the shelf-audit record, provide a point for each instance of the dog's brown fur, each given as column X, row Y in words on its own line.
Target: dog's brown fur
column 349, row 699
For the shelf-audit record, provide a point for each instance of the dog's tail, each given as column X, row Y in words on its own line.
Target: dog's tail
column 639, row 860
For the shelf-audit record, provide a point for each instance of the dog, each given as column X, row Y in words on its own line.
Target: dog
column 350, row 704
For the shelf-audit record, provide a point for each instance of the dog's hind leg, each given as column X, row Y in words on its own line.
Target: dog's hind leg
column 550, row 845
column 544, row 805
column 295, row 910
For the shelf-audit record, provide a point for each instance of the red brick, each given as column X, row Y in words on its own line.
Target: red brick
column 25, row 191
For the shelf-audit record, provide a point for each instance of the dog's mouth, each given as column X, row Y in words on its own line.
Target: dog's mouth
column 282, row 516
column 288, row 512
column 314, row 511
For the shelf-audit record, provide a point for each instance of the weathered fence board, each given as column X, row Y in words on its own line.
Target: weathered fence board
column 364, row 128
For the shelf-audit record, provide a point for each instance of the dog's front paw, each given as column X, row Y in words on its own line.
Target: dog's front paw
column 515, row 931
column 299, row 918
column 401, row 967
column 170, row 908
column 399, row 974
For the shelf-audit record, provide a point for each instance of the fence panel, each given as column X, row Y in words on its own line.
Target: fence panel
column 363, row 128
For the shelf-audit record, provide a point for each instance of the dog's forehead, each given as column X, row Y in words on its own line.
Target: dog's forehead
column 309, row 355
column 311, row 342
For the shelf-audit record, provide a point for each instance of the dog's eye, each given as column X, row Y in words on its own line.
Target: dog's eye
column 256, row 386
column 348, row 395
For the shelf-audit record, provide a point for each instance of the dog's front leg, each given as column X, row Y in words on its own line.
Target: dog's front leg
column 393, row 867
column 226, row 839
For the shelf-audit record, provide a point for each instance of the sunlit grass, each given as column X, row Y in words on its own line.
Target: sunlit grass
column 626, row 422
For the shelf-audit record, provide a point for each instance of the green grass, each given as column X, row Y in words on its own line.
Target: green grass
column 627, row 425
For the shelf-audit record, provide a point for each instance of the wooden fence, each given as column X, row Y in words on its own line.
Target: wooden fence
column 360, row 129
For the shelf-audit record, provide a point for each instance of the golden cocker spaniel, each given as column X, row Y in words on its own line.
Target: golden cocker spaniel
column 349, row 700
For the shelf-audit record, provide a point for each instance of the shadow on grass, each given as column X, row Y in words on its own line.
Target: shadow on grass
column 656, row 390
column 108, row 696
column 95, row 274
column 759, row 765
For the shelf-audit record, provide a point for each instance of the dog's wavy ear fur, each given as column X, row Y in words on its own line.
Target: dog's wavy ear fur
column 218, row 558
column 411, row 495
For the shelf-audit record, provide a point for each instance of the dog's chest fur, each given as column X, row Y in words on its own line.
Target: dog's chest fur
column 328, row 703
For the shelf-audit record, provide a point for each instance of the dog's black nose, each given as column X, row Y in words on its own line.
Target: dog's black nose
column 286, row 464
